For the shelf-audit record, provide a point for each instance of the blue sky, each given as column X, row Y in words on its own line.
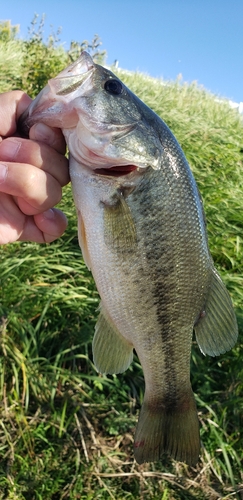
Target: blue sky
column 200, row 39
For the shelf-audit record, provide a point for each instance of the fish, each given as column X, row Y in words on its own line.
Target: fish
column 142, row 233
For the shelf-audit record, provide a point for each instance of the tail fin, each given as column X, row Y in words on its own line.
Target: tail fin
column 175, row 433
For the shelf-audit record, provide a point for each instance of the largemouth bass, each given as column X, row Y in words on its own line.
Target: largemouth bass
column 142, row 233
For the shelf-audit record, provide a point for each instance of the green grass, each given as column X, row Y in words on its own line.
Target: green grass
column 66, row 432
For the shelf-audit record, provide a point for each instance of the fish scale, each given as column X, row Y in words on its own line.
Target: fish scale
column 142, row 233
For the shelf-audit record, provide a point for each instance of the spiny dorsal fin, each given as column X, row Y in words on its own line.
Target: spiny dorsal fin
column 216, row 330
column 112, row 353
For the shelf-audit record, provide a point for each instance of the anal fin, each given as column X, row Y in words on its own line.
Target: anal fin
column 112, row 353
column 216, row 330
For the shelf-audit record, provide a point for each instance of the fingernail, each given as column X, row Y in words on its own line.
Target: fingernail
column 9, row 148
column 40, row 132
column 3, row 172
column 49, row 214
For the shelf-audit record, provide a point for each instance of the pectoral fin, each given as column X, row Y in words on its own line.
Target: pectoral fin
column 119, row 227
column 112, row 353
column 216, row 330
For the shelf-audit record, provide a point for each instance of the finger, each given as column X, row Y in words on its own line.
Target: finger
column 51, row 136
column 11, row 219
column 34, row 189
column 12, row 105
column 40, row 155
column 52, row 223
column 44, row 227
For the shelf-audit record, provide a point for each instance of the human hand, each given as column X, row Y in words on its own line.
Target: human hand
column 32, row 173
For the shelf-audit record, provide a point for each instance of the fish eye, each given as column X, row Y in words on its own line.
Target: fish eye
column 113, row 86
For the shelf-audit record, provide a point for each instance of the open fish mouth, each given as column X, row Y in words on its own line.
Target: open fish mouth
column 117, row 171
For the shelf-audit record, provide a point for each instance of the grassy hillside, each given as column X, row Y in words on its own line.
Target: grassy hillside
column 67, row 432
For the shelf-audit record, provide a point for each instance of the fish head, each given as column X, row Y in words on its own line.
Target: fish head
column 104, row 123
